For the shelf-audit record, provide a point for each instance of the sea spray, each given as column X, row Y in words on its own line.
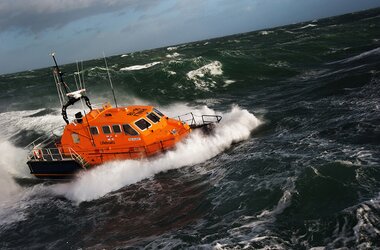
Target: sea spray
column 12, row 162
column 236, row 126
column 15, row 121
column 11, row 165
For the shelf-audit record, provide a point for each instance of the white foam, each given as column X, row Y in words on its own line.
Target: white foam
column 264, row 32
column 308, row 26
column 171, row 48
column 228, row 82
column 98, row 68
column 366, row 216
column 14, row 121
column 235, row 126
column 140, row 67
column 213, row 68
column 12, row 164
column 174, row 55
column 123, row 55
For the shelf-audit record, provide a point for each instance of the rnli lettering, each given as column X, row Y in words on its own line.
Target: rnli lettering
column 107, row 142
column 137, row 111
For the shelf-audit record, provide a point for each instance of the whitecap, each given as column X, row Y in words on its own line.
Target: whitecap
column 264, row 32
column 308, row 26
column 214, row 68
column 228, row 82
column 175, row 54
column 139, row 67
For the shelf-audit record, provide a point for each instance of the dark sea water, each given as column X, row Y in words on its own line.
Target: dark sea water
column 294, row 164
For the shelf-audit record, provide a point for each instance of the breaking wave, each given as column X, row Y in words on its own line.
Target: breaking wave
column 197, row 76
column 235, row 126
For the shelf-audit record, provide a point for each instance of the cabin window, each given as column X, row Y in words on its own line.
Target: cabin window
column 158, row 112
column 94, row 130
column 116, row 129
column 143, row 124
column 153, row 117
column 106, row 129
column 129, row 130
column 75, row 137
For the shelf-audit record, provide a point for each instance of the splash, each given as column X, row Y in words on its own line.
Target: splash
column 236, row 126
column 14, row 121
column 11, row 162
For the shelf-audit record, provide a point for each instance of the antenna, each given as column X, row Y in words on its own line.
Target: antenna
column 72, row 97
column 83, row 86
column 109, row 78
column 78, row 74
column 60, row 74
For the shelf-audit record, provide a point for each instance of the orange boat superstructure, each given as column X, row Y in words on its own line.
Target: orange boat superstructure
column 121, row 133
column 105, row 134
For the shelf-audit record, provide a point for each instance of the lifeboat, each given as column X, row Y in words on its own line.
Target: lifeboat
column 107, row 133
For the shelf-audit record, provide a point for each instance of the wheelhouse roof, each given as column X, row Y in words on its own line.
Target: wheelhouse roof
column 109, row 114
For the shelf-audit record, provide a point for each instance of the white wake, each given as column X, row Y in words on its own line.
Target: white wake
column 236, row 125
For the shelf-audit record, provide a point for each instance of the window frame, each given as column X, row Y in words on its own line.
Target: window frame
column 75, row 137
column 120, row 129
column 97, row 130
column 159, row 113
column 152, row 113
column 108, row 128
column 125, row 132
column 145, row 121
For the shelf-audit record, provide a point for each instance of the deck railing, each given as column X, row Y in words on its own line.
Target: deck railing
column 55, row 154
column 196, row 121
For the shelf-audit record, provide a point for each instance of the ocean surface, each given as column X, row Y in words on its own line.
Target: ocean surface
column 294, row 164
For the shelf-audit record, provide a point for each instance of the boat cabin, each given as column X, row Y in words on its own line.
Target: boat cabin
column 121, row 133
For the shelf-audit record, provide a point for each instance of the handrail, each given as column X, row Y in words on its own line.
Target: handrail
column 42, row 139
column 67, row 153
column 202, row 119
column 55, row 154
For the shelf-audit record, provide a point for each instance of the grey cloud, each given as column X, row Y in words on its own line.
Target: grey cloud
column 38, row 15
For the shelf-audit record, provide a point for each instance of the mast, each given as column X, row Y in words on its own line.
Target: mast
column 64, row 93
column 60, row 74
column 109, row 78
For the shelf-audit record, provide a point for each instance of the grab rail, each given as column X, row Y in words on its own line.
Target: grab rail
column 203, row 120
column 55, row 154
column 44, row 139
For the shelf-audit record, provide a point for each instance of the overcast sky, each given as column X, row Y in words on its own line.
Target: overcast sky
column 83, row 29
